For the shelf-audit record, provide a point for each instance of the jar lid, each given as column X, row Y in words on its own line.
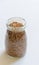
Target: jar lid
column 19, row 20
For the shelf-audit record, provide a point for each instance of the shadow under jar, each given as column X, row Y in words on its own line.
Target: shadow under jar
column 15, row 41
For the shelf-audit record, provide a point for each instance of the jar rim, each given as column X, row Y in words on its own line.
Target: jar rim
column 20, row 19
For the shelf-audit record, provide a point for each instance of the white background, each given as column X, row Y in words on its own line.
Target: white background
column 28, row 9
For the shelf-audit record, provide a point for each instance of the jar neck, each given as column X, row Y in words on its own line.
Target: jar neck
column 16, row 29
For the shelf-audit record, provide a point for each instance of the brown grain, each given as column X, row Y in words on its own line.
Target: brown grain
column 16, row 41
column 16, row 24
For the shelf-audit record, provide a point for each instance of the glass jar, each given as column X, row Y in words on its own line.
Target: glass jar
column 15, row 41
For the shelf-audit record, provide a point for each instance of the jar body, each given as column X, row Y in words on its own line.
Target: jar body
column 15, row 43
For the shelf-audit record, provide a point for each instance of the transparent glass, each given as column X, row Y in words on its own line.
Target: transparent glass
column 16, row 38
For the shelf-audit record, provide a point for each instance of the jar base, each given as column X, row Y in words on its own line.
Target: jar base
column 12, row 55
